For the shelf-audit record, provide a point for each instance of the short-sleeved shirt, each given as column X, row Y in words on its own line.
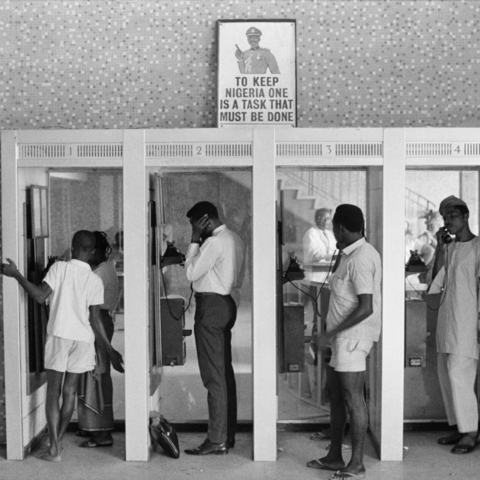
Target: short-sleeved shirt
column 106, row 271
column 74, row 289
column 457, row 315
column 359, row 272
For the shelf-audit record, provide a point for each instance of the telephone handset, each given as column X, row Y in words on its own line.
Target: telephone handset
column 447, row 237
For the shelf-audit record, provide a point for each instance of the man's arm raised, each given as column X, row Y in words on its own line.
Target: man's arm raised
column 38, row 292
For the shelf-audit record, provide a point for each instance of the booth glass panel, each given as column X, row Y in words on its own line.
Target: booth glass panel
column 91, row 199
column 306, row 199
column 425, row 189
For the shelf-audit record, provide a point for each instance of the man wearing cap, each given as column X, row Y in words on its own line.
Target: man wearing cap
column 256, row 60
column 353, row 325
column 456, row 274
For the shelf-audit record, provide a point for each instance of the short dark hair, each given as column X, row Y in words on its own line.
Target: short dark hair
column 350, row 216
column 102, row 246
column 83, row 240
column 202, row 208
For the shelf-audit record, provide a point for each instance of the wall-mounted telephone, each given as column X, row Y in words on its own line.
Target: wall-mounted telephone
column 415, row 263
column 294, row 271
column 172, row 256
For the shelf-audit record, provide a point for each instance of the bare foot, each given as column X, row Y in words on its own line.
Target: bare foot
column 49, row 457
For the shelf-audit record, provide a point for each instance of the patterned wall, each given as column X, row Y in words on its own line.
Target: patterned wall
column 131, row 64
column 152, row 64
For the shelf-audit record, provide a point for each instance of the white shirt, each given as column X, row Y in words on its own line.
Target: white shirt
column 216, row 266
column 457, row 315
column 318, row 245
column 74, row 289
column 359, row 272
column 106, row 271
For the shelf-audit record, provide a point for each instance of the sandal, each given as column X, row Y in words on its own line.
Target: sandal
column 92, row 443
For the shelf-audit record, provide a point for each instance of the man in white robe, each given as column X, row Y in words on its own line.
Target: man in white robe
column 456, row 273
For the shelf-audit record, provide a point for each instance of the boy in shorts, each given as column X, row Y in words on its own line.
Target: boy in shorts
column 73, row 327
column 353, row 325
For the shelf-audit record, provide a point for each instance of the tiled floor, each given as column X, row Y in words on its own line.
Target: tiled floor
column 424, row 460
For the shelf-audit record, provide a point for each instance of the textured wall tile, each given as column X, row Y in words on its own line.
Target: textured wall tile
column 125, row 64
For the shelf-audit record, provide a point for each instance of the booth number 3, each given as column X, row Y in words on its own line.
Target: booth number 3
column 328, row 150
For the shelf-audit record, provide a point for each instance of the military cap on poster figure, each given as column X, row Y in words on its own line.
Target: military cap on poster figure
column 256, row 60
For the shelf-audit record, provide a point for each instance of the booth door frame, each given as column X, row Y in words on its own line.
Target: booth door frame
column 25, row 415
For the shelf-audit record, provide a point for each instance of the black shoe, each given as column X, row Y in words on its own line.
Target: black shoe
column 209, row 448
column 231, row 441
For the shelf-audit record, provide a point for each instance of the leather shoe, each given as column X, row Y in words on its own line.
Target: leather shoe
column 209, row 448
column 231, row 441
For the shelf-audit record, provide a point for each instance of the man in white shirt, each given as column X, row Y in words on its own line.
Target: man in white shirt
column 456, row 272
column 353, row 325
column 214, row 264
column 73, row 326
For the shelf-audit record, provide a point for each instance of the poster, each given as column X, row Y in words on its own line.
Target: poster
column 256, row 73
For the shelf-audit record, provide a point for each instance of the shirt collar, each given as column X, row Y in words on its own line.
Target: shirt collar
column 80, row 263
column 351, row 248
column 219, row 229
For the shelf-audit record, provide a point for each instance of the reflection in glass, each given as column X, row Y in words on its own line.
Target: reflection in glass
column 307, row 200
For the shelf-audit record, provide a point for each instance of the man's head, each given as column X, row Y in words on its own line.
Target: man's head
column 323, row 218
column 205, row 208
column 253, row 37
column 348, row 224
column 83, row 245
column 455, row 214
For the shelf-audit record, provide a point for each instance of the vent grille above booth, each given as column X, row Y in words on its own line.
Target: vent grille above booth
column 107, row 150
column 219, row 150
column 329, row 149
column 442, row 149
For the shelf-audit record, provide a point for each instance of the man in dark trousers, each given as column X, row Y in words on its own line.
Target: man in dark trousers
column 214, row 265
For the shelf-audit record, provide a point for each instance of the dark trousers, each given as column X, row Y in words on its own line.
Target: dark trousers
column 215, row 317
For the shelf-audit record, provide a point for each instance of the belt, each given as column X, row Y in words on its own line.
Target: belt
column 210, row 294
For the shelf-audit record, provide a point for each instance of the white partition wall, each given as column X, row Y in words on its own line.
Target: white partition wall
column 135, row 294
column 265, row 402
column 393, row 302
column 11, row 301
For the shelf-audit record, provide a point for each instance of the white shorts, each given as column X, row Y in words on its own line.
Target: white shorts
column 63, row 355
column 349, row 354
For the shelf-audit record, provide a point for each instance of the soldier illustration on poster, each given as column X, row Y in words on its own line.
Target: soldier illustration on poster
column 256, row 60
